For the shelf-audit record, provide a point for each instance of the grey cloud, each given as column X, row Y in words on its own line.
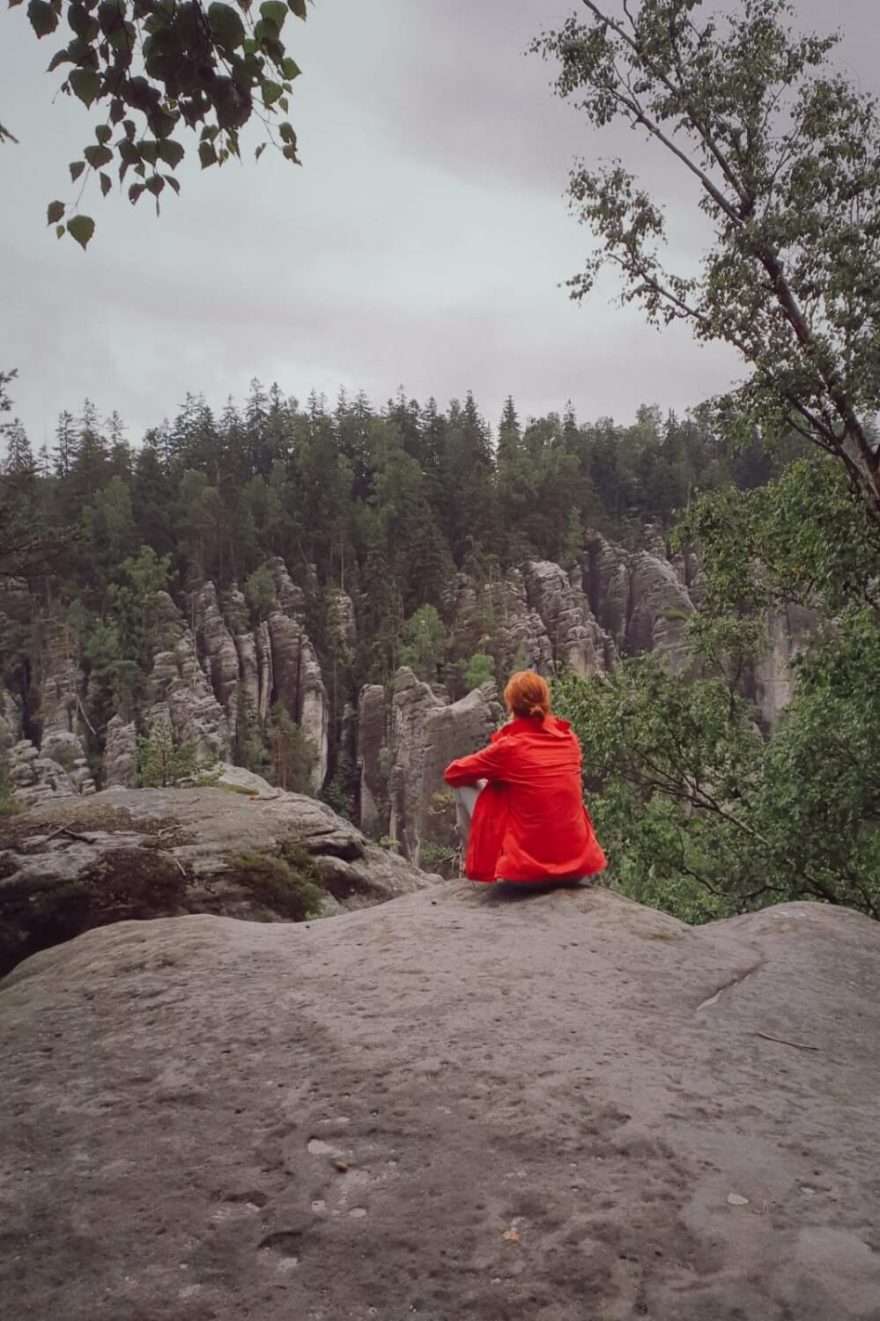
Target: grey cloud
column 423, row 242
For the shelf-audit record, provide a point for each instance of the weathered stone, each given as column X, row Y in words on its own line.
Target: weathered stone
column 342, row 624
column 638, row 598
column 248, row 670
column 37, row 779
column 496, row 618
column 314, row 711
column 426, row 734
column 59, row 704
column 661, row 609
column 10, row 720
column 218, row 653
column 576, row 639
column 769, row 686
column 120, row 753
column 297, row 680
column 567, row 1087
column 59, row 712
column 64, row 847
column 291, row 598
column 265, row 670
column 178, row 689
column 371, row 745
column 228, row 776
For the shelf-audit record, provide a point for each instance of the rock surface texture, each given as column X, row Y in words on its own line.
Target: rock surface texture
column 69, row 865
column 427, row 733
column 458, row 1105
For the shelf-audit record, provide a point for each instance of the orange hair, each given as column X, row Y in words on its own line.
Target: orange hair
column 527, row 694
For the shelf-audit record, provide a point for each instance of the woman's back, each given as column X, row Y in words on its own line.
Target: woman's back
column 529, row 823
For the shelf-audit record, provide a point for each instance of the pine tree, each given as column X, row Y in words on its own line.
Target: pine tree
column 19, row 455
column 66, row 444
column 509, row 435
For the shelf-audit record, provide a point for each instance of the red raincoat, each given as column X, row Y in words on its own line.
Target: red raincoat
column 529, row 823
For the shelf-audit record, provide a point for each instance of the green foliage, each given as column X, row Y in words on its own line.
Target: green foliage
column 423, row 642
column 480, row 669
column 803, row 537
column 251, row 749
column 704, row 815
column 701, row 811
column 163, row 759
column 437, row 857
column 147, row 571
column 338, row 795
column 286, row 883
column 782, row 154
column 293, row 753
column 155, row 69
column 7, row 802
column 259, row 591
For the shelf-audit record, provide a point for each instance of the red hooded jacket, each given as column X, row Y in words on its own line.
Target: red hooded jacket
column 529, row 823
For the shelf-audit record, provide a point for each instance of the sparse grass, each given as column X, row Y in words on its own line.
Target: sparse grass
column 286, row 882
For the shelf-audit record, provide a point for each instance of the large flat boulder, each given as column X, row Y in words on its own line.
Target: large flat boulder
column 241, row 848
column 457, row 1105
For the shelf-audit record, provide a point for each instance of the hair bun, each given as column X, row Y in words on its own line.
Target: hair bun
column 527, row 695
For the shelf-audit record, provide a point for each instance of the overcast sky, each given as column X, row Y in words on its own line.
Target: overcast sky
column 423, row 242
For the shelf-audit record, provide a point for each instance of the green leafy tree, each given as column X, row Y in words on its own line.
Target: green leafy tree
column 7, row 802
column 782, row 155
column 701, row 811
column 30, row 543
column 423, row 642
column 251, row 749
column 480, row 669
column 162, row 759
column 147, row 571
column 293, row 753
column 259, row 591
column 155, row 70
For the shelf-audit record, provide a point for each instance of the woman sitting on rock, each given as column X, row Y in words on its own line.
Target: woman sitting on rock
column 529, row 823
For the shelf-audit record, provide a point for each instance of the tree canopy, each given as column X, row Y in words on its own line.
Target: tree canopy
column 782, row 154
column 157, row 70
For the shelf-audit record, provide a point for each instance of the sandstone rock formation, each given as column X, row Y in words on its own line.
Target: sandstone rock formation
column 372, row 760
column 214, row 667
column 120, row 753
column 638, row 598
column 10, row 720
column 426, row 733
column 59, row 765
column 178, row 690
column 454, row 1106
column 218, row 653
column 576, row 639
column 37, row 779
column 497, row 618
column 33, row 776
column 297, row 680
column 68, row 865
column 770, row 683
column 614, row 602
column 59, row 710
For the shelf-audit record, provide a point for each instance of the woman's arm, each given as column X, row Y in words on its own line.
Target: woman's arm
column 483, row 765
